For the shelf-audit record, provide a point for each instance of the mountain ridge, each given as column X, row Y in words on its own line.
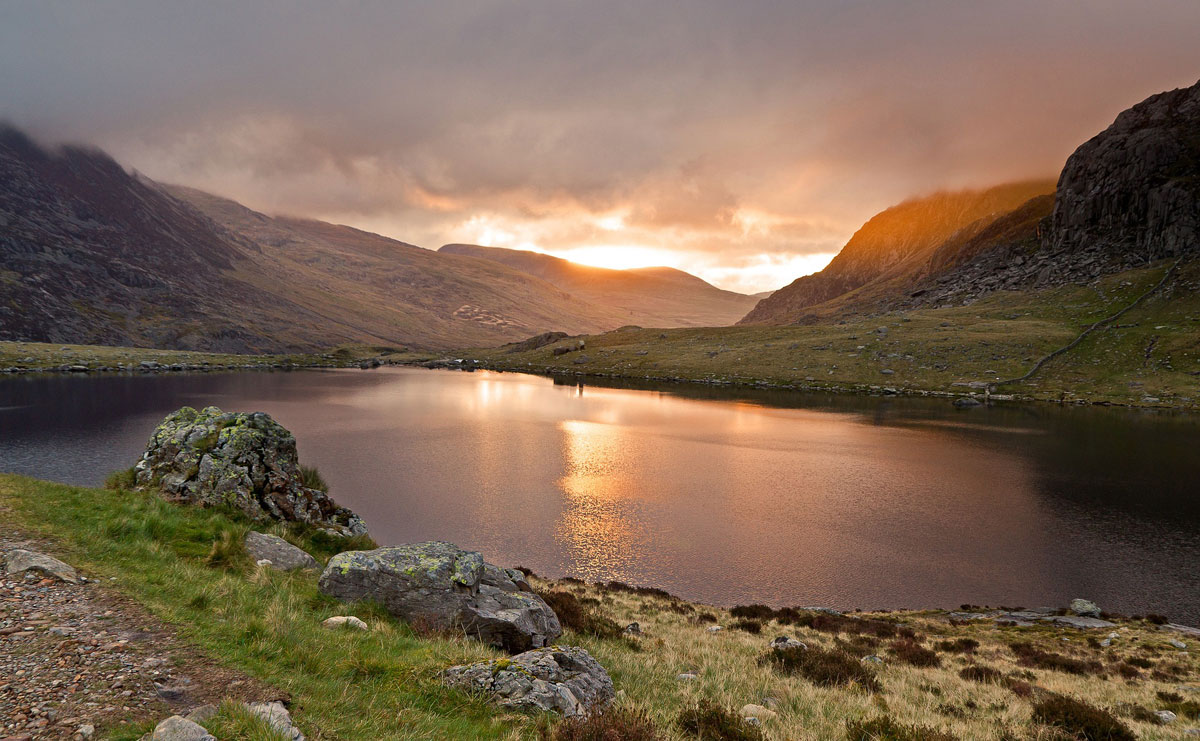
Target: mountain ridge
column 649, row 294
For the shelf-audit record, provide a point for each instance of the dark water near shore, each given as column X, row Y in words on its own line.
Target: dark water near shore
column 716, row 495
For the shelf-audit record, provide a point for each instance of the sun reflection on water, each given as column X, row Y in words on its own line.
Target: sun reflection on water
column 599, row 526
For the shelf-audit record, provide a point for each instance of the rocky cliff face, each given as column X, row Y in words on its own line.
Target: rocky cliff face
column 1126, row 198
column 893, row 241
column 1134, row 189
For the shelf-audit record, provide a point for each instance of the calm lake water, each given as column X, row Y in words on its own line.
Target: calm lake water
column 720, row 496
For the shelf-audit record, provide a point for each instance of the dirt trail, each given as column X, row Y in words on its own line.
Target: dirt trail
column 78, row 657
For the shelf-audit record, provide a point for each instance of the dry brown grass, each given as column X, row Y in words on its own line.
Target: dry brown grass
column 993, row 700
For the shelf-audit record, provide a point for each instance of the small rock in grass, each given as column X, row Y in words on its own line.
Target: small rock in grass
column 176, row 728
column 202, row 713
column 1085, row 608
column 714, row 629
column 872, row 659
column 276, row 716
column 783, row 642
column 344, row 621
column 757, row 712
column 633, row 629
column 1176, row 643
column 687, row 677
column 1165, row 717
column 277, row 552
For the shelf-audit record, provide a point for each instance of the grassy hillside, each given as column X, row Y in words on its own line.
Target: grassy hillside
column 1150, row 356
column 965, row 679
column 650, row 297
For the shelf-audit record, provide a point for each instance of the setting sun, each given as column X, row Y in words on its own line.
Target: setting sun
column 619, row 257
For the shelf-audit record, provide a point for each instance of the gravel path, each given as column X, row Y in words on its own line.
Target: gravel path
column 78, row 658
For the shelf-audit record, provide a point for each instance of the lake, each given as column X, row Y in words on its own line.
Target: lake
column 716, row 495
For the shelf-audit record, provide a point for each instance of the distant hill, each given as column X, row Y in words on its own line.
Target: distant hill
column 90, row 253
column 894, row 242
column 653, row 297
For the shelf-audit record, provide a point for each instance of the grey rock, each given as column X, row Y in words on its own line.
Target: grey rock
column 281, row 554
column 277, row 716
column 201, row 713
column 872, row 659
column 784, row 642
column 247, row 461
column 1185, row 629
column 343, row 621
column 1085, row 608
column 1176, row 643
column 563, row 679
column 1078, row 622
column 966, row 402
column 1165, row 717
column 176, row 728
column 633, row 629
column 687, row 677
column 443, row 587
column 87, row 730
column 21, row 561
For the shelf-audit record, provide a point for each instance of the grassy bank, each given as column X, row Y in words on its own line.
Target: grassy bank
column 972, row 680
column 1149, row 357
column 34, row 357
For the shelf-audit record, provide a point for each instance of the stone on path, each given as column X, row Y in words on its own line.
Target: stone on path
column 20, row 561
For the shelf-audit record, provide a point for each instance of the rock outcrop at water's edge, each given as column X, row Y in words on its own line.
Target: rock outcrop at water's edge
column 439, row 586
column 246, row 461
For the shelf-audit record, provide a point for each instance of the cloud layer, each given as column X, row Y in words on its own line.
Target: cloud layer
column 743, row 141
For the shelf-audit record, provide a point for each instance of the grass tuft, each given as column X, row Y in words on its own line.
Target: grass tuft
column 884, row 728
column 827, row 668
column 709, row 721
column 311, row 478
column 124, row 480
column 612, row 724
column 1081, row 720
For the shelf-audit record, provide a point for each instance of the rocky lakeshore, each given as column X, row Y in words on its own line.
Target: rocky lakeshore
column 216, row 591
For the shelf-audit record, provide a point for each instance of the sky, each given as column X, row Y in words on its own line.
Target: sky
column 741, row 141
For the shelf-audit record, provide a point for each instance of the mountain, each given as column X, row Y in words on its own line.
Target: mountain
column 653, row 297
column 893, row 243
column 90, row 253
column 1126, row 198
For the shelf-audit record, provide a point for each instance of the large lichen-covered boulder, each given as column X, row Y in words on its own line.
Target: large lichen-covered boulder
column 439, row 586
column 564, row 679
column 247, row 461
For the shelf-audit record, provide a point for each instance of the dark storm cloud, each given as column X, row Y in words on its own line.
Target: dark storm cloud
column 722, row 130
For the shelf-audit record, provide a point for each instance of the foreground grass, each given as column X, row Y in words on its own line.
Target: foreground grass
column 185, row 566
column 1150, row 357
column 345, row 685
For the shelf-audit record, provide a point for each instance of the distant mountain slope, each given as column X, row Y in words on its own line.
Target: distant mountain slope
column 90, row 253
column 397, row 290
column 892, row 242
column 653, row 297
